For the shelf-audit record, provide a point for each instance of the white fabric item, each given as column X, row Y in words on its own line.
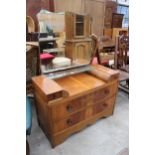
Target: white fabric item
column 111, row 62
column 61, row 62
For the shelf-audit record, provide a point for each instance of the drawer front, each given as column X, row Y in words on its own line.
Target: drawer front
column 104, row 105
column 68, row 122
column 104, row 93
column 62, row 110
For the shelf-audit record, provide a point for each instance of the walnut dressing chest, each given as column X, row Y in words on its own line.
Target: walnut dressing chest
column 68, row 104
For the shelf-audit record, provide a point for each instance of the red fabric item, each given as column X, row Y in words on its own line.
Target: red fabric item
column 95, row 61
column 45, row 56
column 105, row 62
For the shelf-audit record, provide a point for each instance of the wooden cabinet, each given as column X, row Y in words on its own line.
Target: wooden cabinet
column 78, row 41
column 67, row 105
column 75, row 6
column 101, row 13
column 78, row 49
column 118, row 31
column 99, row 10
column 117, row 20
column 77, row 25
column 110, row 8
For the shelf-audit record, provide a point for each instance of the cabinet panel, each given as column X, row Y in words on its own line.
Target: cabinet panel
column 68, row 5
column 117, row 20
column 96, row 10
column 99, row 10
column 82, row 51
column 78, row 50
column 77, row 26
column 111, row 7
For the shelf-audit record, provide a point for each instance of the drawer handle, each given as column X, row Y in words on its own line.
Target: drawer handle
column 69, row 122
column 105, row 104
column 69, row 108
column 106, row 91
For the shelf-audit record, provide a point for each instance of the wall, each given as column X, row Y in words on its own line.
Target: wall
column 34, row 6
column 95, row 8
column 69, row 5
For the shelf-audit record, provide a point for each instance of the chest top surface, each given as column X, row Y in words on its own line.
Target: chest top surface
column 79, row 83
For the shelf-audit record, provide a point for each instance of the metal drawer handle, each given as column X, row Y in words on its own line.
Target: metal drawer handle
column 105, row 104
column 106, row 91
column 69, row 108
column 69, row 122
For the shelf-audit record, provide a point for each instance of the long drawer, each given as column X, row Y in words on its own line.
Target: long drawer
column 64, row 109
column 68, row 122
column 104, row 93
column 105, row 106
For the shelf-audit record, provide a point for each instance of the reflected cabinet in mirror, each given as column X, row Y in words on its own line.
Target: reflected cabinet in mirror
column 77, row 26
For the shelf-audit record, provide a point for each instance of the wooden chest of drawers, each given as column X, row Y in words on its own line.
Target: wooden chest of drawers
column 67, row 105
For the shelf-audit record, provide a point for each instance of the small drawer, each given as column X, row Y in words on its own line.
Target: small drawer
column 65, row 109
column 104, row 105
column 68, row 122
column 104, row 93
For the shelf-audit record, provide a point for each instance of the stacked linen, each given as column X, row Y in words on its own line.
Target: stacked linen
column 61, row 62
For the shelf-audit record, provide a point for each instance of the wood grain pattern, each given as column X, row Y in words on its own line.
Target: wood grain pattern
column 99, row 10
column 96, row 10
column 110, row 8
column 101, row 13
column 89, row 98
column 69, row 5
column 78, row 50
column 72, row 21
column 117, row 20
column 58, row 138
column 122, row 61
column 49, row 88
column 116, row 32
column 78, row 45
column 104, row 73
column 68, row 122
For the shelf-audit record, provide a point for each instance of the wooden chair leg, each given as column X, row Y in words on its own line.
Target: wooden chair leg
column 127, row 81
column 123, row 88
column 27, row 148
